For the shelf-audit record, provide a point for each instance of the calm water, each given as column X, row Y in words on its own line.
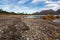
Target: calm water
column 40, row 16
column 35, row 16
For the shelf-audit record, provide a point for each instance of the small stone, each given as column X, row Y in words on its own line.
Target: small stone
column 2, row 31
column 27, row 38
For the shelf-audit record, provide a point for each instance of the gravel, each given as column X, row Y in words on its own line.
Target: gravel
column 12, row 28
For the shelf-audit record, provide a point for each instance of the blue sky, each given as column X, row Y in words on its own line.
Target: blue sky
column 29, row 6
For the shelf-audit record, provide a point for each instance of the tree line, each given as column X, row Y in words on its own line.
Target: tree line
column 10, row 13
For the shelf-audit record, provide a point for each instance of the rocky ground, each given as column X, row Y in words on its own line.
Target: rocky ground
column 19, row 28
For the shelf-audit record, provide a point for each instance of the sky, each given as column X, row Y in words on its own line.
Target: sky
column 29, row 6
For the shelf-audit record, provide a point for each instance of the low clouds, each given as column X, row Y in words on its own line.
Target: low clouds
column 20, row 6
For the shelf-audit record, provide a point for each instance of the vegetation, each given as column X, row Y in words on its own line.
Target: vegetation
column 57, row 16
column 10, row 13
column 49, row 17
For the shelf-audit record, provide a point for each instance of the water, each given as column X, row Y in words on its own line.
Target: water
column 35, row 16
column 40, row 16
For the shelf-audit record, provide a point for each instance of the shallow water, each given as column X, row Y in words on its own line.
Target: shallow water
column 40, row 16
column 35, row 16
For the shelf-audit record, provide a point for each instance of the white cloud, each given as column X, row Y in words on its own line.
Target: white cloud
column 5, row 7
column 22, row 1
column 50, row 2
column 54, row 5
column 46, row 1
column 22, row 8
column 38, row 1
column 15, row 8
column 51, row 6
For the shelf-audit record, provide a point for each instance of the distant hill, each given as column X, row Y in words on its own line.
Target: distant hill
column 45, row 12
column 58, row 11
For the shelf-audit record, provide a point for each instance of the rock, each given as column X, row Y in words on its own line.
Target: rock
column 42, row 30
column 12, row 28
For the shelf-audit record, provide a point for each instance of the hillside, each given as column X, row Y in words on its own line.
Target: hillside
column 45, row 12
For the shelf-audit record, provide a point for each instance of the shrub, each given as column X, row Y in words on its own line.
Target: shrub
column 49, row 17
